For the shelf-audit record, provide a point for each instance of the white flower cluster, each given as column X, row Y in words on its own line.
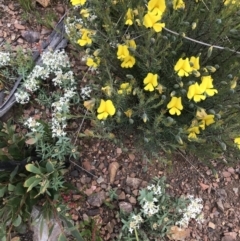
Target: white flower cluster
column 149, row 208
column 54, row 63
column 22, row 97
column 85, row 92
column 193, row 210
column 135, row 221
column 32, row 124
column 71, row 27
column 157, row 190
column 4, row 59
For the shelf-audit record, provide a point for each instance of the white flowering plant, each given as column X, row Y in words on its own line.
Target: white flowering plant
column 158, row 212
column 160, row 70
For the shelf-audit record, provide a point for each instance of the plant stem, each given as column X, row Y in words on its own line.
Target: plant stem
column 202, row 43
column 136, row 234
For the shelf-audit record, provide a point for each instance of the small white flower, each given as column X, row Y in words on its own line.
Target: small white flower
column 4, row 59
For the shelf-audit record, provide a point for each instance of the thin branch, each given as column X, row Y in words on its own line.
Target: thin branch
column 202, row 43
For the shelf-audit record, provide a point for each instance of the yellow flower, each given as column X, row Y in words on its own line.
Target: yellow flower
column 207, row 85
column 106, row 108
column 78, row 2
column 237, row 141
column 129, row 17
column 85, row 39
column 226, row 2
column 150, row 81
column 178, row 4
column 89, row 104
column 192, row 132
column 157, row 5
column 128, row 62
column 128, row 113
column 183, row 67
column 84, row 13
column 175, row 105
column 195, row 63
column 131, row 43
column 196, row 92
column 150, row 20
column 107, row 90
column 206, row 119
column 93, row 62
column 122, row 52
column 125, row 88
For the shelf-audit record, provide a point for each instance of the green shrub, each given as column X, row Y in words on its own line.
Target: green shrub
column 164, row 71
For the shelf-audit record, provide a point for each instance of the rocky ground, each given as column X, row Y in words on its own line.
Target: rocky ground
column 93, row 173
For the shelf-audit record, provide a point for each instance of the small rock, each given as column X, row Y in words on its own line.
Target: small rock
column 87, row 165
column 132, row 200
column 227, row 238
column 226, row 174
column 135, row 192
column 74, row 217
column 110, row 227
column 96, row 199
column 76, row 197
column 19, row 26
column 31, row 36
column 122, row 196
column 16, row 239
column 93, row 212
column 211, row 225
column 235, row 189
column 45, row 31
column 85, row 217
column 119, row 150
column 220, row 205
column 60, row 9
column 144, row 184
column 20, row 41
column 100, row 180
column 74, row 173
column 231, row 170
column 125, row 207
column 133, row 182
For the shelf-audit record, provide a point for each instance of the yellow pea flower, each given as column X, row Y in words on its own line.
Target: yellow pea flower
column 193, row 131
column 195, row 92
column 125, row 88
column 207, row 85
column 107, row 90
column 195, row 63
column 131, row 43
column 84, row 13
column 128, row 113
column 237, row 141
column 205, row 119
column 85, row 38
column 226, row 2
column 93, row 62
column 105, row 109
column 157, row 5
column 175, row 105
column 122, row 52
column 150, row 20
column 129, row 17
column 150, row 81
column 177, row 4
column 78, row 2
column 128, row 62
column 182, row 67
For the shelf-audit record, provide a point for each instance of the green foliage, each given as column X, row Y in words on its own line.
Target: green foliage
column 26, row 5
column 160, row 111
column 158, row 212
column 40, row 181
column 90, row 229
